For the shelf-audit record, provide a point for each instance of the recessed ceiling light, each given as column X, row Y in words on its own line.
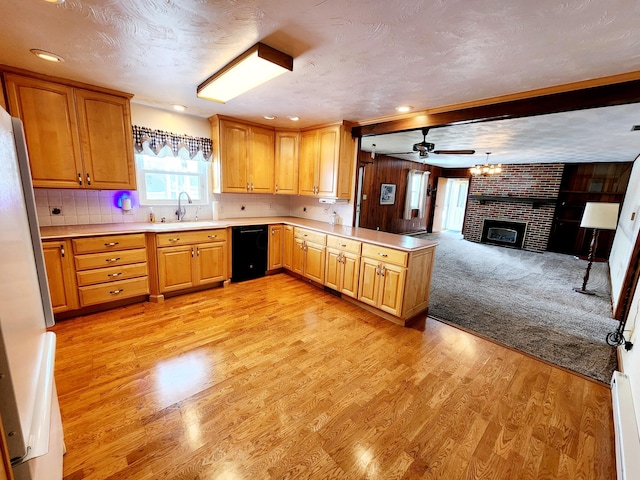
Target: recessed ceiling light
column 293, row 118
column 48, row 56
column 178, row 107
column 404, row 108
column 269, row 117
column 54, row 1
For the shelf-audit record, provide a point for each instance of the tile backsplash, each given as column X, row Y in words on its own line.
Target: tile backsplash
column 76, row 207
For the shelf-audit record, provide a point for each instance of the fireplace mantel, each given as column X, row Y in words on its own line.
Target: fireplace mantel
column 535, row 202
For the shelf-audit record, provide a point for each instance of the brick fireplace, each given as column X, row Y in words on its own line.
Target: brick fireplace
column 524, row 193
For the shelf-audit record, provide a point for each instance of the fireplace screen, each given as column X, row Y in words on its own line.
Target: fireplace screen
column 508, row 234
column 502, row 235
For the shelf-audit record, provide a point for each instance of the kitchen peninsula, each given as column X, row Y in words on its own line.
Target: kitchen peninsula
column 98, row 266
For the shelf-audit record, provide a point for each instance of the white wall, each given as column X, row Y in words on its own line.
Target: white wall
column 169, row 121
column 623, row 245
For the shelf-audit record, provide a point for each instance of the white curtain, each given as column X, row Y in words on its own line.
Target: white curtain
column 422, row 194
column 407, row 196
column 422, row 202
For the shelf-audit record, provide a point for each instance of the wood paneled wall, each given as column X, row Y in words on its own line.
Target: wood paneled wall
column 388, row 218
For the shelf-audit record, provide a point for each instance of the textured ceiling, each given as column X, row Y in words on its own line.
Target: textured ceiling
column 353, row 60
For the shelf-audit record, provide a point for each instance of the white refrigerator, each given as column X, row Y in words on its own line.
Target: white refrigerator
column 28, row 399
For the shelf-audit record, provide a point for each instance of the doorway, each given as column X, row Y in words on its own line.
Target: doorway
column 451, row 202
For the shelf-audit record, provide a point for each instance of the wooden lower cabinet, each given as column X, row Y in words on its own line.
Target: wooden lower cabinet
column 308, row 254
column 58, row 258
column 382, row 285
column 189, row 266
column 342, row 271
column 110, row 268
column 275, row 247
column 287, row 247
column 314, row 258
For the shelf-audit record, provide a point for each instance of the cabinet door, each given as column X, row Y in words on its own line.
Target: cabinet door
column 288, row 247
column 286, row 164
column 275, row 247
column 314, row 262
column 297, row 256
column 369, row 280
column 333, row 272
column 60, row 275
column 350, row 274
column 176, row 268
column 104, row 126
column 261, row 160
column 234, row 153
column 328, row 158
column 210, row 263
column 48, row 113
column 391, row 289
column 308, row 165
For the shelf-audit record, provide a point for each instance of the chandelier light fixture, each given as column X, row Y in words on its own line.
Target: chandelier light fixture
column 254, row 67
column 486, row 169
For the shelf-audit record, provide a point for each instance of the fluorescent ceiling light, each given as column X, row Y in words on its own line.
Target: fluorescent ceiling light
column 254, row 67
column 48, row 56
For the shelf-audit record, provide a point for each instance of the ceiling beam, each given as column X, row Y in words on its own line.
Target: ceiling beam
column 582, row 98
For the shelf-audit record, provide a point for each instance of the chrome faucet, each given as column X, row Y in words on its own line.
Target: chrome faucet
column 182, row 211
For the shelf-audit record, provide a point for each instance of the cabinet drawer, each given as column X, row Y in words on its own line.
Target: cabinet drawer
column 385, row 254
column 98, row 260
column 108, row 243
column 110, row 292
column 344, row 244
column 191, row 237
column 111, row 274
column 310, row 236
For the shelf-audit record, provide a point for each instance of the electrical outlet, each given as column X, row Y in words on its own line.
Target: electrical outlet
column 56, row 210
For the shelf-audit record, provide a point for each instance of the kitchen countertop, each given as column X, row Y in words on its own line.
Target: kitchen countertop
column 400, row 242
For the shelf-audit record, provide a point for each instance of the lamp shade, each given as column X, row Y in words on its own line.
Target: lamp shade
column 603, row 216
column 254, row 67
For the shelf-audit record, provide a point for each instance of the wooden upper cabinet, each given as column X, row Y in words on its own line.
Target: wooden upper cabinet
column 76, row 138
column 261, row 159
column 106, row 145
column 327, row 156
column 245, row 154
column 48, row 113
column 234, row 156
column 286, row 163
column 308, row 165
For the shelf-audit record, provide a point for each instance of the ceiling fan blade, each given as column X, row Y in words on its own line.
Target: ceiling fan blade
column 454, row 152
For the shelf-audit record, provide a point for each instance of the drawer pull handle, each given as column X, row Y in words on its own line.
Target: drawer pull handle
column 305, row 235
column 115, row 292
column 111, row 244
column 383, row 254
column 117, row 274
column 112, row 259
column 174, row 239
column 212, row 236
column 342, row 244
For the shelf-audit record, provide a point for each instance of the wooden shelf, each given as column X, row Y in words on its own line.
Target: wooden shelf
column 535, row 202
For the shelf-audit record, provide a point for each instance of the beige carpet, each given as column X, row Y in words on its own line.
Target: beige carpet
column 525, row 300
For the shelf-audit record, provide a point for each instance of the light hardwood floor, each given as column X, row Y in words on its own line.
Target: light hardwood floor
column 274, row 378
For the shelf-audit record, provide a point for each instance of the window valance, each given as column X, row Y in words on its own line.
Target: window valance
column 161, row 143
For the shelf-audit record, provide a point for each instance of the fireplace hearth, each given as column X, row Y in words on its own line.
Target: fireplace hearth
column 504, row 233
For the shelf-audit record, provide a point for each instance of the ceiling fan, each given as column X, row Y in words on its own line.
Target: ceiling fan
column 424, row 148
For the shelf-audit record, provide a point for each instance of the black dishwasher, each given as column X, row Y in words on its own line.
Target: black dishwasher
column 249, row 252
